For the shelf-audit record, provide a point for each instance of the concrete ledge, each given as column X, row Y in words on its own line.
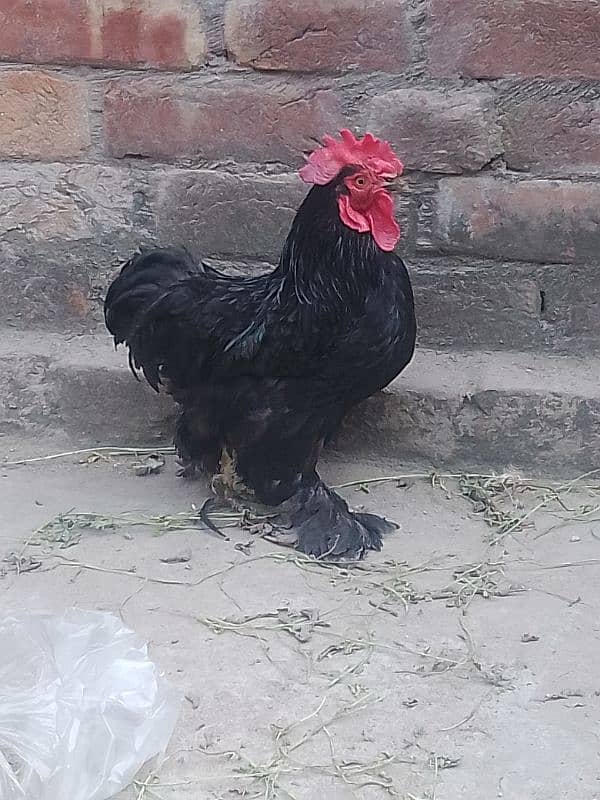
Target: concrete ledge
column 540, row 414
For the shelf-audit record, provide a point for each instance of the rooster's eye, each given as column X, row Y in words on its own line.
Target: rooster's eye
column 361, row 182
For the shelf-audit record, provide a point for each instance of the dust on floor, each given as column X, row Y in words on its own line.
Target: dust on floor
column 461, row 662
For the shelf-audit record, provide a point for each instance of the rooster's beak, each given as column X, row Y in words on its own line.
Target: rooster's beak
column 395, row 184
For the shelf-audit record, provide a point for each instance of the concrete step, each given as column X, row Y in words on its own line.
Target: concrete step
column 469, row 410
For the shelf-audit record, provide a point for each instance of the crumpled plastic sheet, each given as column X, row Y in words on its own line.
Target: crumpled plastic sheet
column 82, row 707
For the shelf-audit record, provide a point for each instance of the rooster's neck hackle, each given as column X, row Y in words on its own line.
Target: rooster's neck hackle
column 323, row 262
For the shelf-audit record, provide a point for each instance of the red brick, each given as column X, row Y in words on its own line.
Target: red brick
column 154, row 32
column 42, row 116
column 533, row 220
column 231, row 120
column 121, row 32
column 496, row 38
column 438, row 131
column 228, row 216
column 45, row 30
column 553, row 133
column 313, row 35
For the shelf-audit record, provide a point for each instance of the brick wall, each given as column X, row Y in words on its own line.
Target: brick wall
column 183, row 121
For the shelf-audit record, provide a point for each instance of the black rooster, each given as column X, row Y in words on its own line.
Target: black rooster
column 265, row 368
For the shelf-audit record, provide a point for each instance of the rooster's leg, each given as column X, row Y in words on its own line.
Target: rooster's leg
column 279, row 472
column 323, row 526
column 196, row 447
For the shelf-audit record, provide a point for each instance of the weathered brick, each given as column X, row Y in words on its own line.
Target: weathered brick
column 549, row 131
column 51, row 201
column 160, row 33
column 436, row 130
column 229, row 120
column 495, row 38
column 45, row 30
column 62, row 227
column 495, row 307
column 542, row 221
column 51, row 285
column 313, row 35
column 511, row 305
column 42, row 116
column 230, row 216
column 572, row 307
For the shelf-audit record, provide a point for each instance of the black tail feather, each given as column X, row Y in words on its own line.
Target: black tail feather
column 140, row 283
column 145, row 280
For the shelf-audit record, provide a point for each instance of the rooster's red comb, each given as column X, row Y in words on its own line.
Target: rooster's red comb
column 327, row 161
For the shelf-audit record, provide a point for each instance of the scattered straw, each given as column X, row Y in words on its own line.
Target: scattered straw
column 65, row 529
column 469, row 716
column 498, row 498
column 507, row 503
column 501, row 499
column 105, row 451
column 298, row 624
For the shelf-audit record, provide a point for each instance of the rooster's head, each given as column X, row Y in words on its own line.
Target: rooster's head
column 362, row 170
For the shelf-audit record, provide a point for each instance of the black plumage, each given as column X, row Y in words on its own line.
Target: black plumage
column 265, row 368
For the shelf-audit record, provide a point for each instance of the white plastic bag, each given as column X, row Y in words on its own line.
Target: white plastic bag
column 82, row 708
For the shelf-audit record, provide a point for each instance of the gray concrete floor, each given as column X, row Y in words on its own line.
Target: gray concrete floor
column 496, row 698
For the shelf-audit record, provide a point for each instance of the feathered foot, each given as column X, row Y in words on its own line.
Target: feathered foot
column 315, row 520
column 325, row 527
